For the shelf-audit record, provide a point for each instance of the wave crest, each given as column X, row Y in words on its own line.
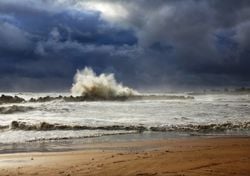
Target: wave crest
column 103, row 86
column 44, row 126
column 14, row 109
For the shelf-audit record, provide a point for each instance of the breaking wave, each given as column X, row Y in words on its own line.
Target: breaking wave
column 14, row 109
column 3, row 127
column 104, row 86
column 44, row 126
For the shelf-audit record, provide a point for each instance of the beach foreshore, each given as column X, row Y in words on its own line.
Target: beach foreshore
column 177, row 156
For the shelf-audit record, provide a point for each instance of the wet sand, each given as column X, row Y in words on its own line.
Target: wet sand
column 191, row 156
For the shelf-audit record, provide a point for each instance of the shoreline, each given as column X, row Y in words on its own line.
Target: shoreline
column 220, row 155
column 85, row 143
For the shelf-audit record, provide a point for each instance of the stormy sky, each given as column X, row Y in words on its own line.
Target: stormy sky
column 158, row 44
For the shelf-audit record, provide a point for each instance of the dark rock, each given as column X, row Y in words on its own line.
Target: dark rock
column 10, row 99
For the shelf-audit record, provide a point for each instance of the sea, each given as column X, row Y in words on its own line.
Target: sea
column 148, row 115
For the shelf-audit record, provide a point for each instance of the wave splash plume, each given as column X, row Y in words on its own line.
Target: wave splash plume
column 88, row 84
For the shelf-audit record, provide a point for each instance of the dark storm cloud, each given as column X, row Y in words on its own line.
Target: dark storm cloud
column 160, row 43
column 50, row 44
column 209, row 39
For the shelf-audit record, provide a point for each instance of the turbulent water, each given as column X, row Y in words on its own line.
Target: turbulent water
column 59, row 119
column 102, row 106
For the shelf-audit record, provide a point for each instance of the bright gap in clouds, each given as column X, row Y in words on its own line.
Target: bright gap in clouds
column 109, row 11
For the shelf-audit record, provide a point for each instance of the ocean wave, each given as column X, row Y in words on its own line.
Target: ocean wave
column 3, row 127
column 14, row 109
column 44, row 126
column 203, row 128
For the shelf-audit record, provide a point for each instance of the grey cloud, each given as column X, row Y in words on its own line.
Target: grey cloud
column 160, row 43
column 13, row 37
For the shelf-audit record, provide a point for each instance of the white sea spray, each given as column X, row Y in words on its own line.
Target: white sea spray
column 88, row 83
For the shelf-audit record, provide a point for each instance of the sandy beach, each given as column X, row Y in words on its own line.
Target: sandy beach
column 188, row 156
